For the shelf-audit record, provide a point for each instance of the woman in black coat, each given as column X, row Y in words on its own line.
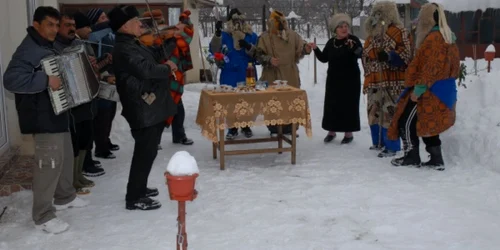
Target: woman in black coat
column 343, row 82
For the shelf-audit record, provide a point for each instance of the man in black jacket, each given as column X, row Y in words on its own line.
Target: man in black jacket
column 143, row 85
column 53, row 174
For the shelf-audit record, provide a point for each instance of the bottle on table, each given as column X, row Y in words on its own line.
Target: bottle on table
column 250, row 79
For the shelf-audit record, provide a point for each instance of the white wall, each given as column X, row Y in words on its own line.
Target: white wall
column 14, row 20
column 13, row 16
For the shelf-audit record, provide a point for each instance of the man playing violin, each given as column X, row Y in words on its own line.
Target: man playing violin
column 142, row 82
column 177, row 38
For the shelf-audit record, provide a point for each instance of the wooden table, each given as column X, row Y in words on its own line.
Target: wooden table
column 219, row 111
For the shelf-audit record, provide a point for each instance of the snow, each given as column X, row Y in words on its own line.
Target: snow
column 336, row 196
column 468, row 5
column 182, row 163
column 490, row 48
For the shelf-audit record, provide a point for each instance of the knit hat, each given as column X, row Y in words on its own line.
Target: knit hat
column 94, row 14
column 337, row 20
column 121, row 14
column 184, row 17
column 81, row 20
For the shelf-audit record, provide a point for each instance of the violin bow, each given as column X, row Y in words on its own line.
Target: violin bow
column 157, row 31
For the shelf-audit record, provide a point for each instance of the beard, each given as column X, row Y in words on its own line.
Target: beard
column 237, row 36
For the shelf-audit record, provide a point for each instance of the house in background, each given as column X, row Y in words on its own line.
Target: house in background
column 16, row 150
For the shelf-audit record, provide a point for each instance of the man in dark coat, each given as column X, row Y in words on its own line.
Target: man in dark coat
column 25, row 77
column 104, row 39
column 143, row 85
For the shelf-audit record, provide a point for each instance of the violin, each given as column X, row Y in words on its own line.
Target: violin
column 151, row 39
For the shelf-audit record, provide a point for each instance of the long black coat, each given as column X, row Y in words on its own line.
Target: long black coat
column 343, row 85
column 138, row 72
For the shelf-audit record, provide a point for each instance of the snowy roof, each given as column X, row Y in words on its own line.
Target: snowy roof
column 292, row 15
column 356, row 21
column 468, row 5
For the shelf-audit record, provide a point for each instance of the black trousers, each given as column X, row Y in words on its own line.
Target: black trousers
column 145, row 151
column 407, row 125
column 81, row 136
column 102, row 125
column 178, row 131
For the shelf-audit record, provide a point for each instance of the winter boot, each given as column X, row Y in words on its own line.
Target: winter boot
column 80, row 188
column 247, row 132
column 386, row 153
column 231, row 133
column 410, row 158
column 81, row 160
column 436, row 162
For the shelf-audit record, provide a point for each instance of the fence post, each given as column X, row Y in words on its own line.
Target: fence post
column 315, row 67
column 263, row 18
column 308, row 30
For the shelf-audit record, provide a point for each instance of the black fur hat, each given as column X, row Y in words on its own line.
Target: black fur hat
column 232, row 12
column 81, row 20
column 119, row 15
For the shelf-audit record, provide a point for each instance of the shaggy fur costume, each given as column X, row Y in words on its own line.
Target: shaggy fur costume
column 427, row 22
column 275, row 19
column 238, row 28
column 384, row 13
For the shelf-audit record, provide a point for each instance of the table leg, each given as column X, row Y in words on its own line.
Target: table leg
column 222, row 151
column 294, row 142
column 214, row 150
column 280, row 138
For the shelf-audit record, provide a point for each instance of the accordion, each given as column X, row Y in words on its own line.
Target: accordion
column 79, row 84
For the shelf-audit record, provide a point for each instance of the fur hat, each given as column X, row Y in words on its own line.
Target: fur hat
column 383, row 14
column 431, row 15
column 81, row 20
column 121, row 14
column 94, row 14
column 337, row 20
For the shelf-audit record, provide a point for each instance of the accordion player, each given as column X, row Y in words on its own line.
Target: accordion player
column 79, row 82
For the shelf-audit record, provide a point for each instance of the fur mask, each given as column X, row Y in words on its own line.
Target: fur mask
column 384, row 14
column 238, row 29
column 278, row 25
column 430, row 15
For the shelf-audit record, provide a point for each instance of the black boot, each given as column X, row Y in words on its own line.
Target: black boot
column 411, row 158
column 436, row 162
column 411, row 154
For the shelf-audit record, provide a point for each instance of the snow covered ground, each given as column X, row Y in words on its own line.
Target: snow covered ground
column 336, row 197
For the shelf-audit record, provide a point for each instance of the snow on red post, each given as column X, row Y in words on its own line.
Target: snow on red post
column 489, row 55
column 181, row 174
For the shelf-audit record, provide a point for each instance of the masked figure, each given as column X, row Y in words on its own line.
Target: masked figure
column 386, row 54
column 238, row 42
column 427, row 106
column 279, row 51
